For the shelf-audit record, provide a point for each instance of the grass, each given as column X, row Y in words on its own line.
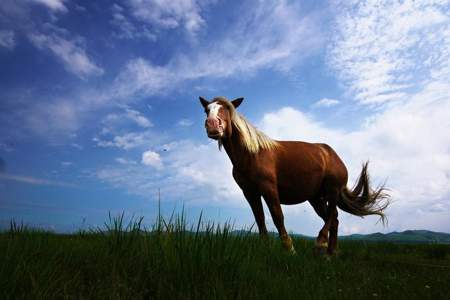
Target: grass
column 124, row 260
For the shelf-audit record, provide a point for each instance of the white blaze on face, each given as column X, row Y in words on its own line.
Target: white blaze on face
column 214, row 110
column 213, row 124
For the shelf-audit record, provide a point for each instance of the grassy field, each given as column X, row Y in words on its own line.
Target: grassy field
column 206, row 261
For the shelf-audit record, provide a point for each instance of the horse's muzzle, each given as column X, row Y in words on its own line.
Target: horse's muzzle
column 214, row 128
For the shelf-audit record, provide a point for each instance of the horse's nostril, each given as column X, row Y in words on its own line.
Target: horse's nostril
column 212, row 123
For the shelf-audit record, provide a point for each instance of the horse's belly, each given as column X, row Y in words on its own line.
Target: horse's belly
column 292, row 195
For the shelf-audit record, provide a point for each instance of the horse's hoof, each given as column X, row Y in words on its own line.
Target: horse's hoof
column 292, row 251
column 328, row 257
column 320, row 251
column 321, row 248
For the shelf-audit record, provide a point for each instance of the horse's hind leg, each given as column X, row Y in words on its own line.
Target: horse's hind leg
column 332, row 244
column 332, row 220
column 326, row 208
column 320, row 207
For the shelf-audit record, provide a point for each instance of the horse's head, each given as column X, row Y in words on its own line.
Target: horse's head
column 218, row 116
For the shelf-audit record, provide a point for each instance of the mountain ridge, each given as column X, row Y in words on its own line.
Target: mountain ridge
column 414, row 236
column 407, row 236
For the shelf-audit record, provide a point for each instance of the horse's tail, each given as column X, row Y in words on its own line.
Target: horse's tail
column 363, row 200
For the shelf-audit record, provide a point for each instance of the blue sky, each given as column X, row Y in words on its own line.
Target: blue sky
column 99, row 104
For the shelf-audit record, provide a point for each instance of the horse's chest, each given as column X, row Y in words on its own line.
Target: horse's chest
column 250, row 177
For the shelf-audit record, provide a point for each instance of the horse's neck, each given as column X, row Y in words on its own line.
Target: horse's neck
column 236, row 151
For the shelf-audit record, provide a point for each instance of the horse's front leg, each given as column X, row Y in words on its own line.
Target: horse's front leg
column 254, row 199
column 270, row 194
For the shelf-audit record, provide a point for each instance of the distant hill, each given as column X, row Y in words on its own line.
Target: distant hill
column 408, row 236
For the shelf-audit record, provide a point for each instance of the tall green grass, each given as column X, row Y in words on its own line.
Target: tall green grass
column 175, row 260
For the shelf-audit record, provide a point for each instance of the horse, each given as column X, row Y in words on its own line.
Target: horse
column 289, row 172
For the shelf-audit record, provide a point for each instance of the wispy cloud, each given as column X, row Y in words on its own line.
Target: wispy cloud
column 185, row 122
column 326, row 102
column 150, row 19
column 169, row 14
column 273, row 35
column 77, row 146
column 52, row 118
column 189, row 166
column 5, row 147
column 269, row 36
column 114, row 120
column 117, row 130
column 33, row 180
column 126, row 29
column 71, row 52
column 55, row 5
column 130, row 140
column 397, row 54
column 66, row 164
column 69, row 48
column 124, row 161
column 7, row 39
column 57, row 114
column 385, row 49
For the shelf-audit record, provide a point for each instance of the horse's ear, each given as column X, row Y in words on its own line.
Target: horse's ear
column 203, row 101
column 237, row 102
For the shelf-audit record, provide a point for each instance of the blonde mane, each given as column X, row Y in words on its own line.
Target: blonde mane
column 251, row 138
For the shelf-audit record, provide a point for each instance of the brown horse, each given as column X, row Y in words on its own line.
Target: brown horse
column 289, row 172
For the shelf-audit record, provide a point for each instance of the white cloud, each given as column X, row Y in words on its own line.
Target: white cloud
column 116, row 131
column 72, row 53
column 396, row 53
column 200, row 172
column 77, row 146
column 326, row 102
column 138, row 118
column 129, row 140
column 269, row 36
column 55, row 5
column 400, row 51
column 53, row 118
column 126, row 28
column 169, row 14
column 205, row 171
column 5, row 147
column 124, row 161
column 139, row 76
column 185, row 123
column 66, row 164
column 7, row 39
column 383, row 50
column 114, row 121
column 153, row 159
